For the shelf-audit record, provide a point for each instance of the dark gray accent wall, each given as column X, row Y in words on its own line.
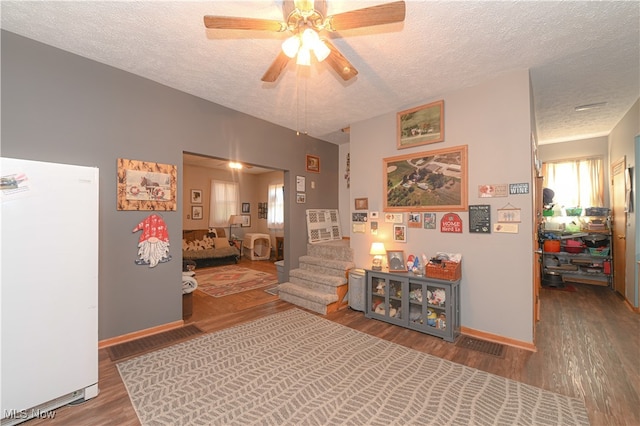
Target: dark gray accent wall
column 59, row 107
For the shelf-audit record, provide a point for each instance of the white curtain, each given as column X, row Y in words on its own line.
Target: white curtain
column 224, row 202
column 576, row 183
column 275, row 215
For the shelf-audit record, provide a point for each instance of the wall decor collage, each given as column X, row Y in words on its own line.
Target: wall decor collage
column 418, row 187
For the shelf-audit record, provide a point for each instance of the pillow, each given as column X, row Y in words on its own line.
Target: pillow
column 212, row 233
column 220, row 242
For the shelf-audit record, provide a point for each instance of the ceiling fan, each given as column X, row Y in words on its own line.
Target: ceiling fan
column 306, row 21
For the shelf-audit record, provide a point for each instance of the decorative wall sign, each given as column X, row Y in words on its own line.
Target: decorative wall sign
column 153, row 244
column 518, row 188
column 421, row 125
column 480, row 219
column 489, row 191
column 426, row 181
column 146, row 186
column 509, row 214
column 429, row 220
column 301, row 198
column 394, row 217
column 508, row 228
column 301, row 183
column 359, row 217
column 451, row 222
column 359, row 228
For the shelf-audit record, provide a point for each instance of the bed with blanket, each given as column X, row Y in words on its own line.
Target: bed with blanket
column 208, row 248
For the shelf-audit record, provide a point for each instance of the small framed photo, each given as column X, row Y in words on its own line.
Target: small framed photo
column 359, row 217
column 415, row 220
column 301, row 198
column 400, row 233
column 313, row 164
column 396, row 262
column 196, row 196
column 362, row 203
column 246, row 220
column 246, row 207
column 374, row 215
column 196, row 212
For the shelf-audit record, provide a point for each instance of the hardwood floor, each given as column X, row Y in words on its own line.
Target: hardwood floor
column 588, row 347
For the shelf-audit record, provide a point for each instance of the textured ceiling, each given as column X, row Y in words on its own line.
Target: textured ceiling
column 578, row 53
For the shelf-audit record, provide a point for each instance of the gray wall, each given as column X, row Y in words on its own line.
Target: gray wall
column 494, row 120
column 59, row 107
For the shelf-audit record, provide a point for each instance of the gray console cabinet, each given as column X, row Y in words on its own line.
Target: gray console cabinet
column 428, row 305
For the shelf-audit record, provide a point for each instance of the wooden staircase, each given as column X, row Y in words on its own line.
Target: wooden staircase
column 320, row 284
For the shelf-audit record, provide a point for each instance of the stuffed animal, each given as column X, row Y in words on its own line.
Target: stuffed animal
column 431, row 318
column 416, row 294
column 380, row 288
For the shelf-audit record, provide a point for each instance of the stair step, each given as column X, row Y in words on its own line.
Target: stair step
column 311, row 299
column 322, row 279
column 338, row 268
column 336, row 250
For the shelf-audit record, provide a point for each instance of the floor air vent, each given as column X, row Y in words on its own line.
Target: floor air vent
column 491, row 348
column 153, row 342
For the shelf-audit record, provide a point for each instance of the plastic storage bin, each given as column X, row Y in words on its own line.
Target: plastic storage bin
column 280, row 269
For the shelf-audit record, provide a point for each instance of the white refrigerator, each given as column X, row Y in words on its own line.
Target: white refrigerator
column 48, row 287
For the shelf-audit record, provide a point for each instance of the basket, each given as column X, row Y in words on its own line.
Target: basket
column 596, row 211
column 603, row 251
column 577, row 211
column 446, row 270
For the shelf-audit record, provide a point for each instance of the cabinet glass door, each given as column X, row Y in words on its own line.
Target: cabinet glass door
column 436, row 304
column 386, row 297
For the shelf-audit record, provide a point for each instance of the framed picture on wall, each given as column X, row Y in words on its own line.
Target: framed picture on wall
column 426, row 181
column 196, row 212
column 246, row 207
column 421, row 125
column 246, row 220
column 196, row 196
column 313, row 163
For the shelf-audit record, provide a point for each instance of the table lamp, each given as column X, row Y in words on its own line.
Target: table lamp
column 234, row 219
column 377, row 250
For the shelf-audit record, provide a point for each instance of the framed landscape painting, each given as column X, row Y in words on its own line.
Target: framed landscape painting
column 426, row 181
column 421, row 125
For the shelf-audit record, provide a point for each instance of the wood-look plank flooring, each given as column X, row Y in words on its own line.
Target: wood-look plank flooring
column 588, row 347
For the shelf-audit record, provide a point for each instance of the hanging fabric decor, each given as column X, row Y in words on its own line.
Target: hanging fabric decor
column 153, row 246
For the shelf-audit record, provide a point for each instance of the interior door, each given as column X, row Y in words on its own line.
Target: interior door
column 619, row 224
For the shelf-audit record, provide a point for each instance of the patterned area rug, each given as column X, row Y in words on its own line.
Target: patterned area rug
column 295, row 368
column 224, row 280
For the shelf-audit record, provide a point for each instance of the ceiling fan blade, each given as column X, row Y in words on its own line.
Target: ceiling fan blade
column 339, row 63
column 375, row 15
column 276, row 68
column 233, row 23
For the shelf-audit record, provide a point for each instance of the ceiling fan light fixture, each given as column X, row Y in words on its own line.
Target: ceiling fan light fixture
column 304, row 56
column 234, row 165
column 291, row 46
column 321, row 50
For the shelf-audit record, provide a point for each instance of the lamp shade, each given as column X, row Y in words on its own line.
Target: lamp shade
column 377, row 249
column 235, row 219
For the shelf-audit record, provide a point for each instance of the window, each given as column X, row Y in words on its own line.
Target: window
column 576, row 183
column 275, row 212
column 224, row 202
